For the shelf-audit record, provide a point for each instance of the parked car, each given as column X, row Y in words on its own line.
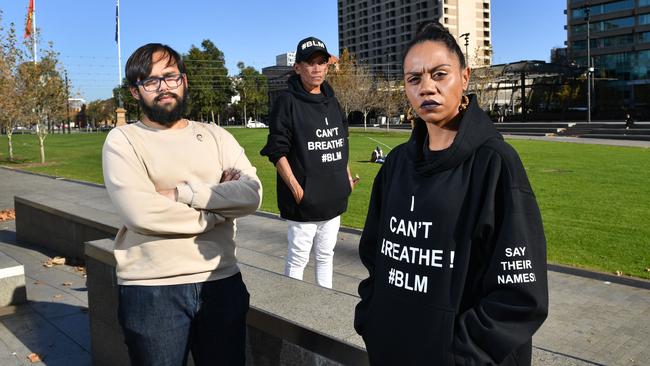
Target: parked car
column 255, row 124
column 22, row 130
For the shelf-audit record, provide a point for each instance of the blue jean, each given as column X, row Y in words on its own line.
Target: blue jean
column 162, row 324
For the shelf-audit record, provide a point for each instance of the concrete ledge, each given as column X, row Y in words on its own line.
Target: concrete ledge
column 290, row 322
column 61, row 226
column 12, row 281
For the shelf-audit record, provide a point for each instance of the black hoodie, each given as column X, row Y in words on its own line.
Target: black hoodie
column 311, row 131
column 456, row 254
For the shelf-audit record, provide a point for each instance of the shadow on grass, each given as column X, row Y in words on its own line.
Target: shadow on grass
column 6, row 161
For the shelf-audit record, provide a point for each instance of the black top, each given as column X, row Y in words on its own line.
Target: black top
column 456, row 254
column 311, row 131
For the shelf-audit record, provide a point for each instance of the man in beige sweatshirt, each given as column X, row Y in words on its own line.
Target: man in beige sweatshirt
column 178, row 186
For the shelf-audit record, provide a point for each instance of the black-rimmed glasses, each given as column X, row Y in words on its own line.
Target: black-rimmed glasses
column 153, row 84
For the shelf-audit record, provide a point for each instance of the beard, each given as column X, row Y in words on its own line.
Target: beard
column 165, row 115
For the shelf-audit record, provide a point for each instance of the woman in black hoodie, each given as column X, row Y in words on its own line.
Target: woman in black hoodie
column 453, row 240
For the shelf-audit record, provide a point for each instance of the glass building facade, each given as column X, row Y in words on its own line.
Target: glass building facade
column 619, row 48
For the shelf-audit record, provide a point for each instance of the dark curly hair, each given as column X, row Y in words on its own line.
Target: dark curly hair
column 139, row 65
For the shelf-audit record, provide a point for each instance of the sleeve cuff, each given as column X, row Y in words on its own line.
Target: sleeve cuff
column 185, row 194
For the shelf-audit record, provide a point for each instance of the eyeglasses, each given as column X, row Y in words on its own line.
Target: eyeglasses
column 153, row 84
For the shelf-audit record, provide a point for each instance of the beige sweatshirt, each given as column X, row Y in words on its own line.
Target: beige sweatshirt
column 164, row 242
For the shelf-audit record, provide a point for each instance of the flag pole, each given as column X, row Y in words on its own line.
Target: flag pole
column 34, row 38
column 119, row 49
column 117, row 39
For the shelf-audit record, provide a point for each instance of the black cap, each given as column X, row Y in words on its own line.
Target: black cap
column 308, row 47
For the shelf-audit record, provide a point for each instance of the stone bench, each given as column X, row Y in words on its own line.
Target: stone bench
column 62, row 225
column 12, row 281
column 289, row 323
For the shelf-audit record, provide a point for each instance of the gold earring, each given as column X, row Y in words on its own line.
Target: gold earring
column 464, row 102
column 410, row 116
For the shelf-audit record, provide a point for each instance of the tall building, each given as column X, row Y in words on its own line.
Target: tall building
column 619, row 46
column 285, row 59
column 278, row 75
column 377, row 31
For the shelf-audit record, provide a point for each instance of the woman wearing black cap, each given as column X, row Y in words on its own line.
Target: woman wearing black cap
column 308, row 144
column 453, row 240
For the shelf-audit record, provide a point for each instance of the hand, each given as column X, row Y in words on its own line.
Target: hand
column 230, row 175
column 353, row 182
column 172, row 194
column 298, row 193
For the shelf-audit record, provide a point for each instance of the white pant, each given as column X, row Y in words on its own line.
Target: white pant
column 301, row 236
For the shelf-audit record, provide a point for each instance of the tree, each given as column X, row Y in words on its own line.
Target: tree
column 210, row 87
column 100, row 112
column 392, row 99
column 81, row 120
column 32, row 93
column 253, row 90
column 366, row 89
column 483, row 78
column 354, row 86
column 341, row 80
column 42, row 93
column 10, row 57
column 567, row 95
column 128, row 102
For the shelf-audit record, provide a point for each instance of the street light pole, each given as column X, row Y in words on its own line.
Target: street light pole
column 589, row 68
column 466, row 36
column 67, row 103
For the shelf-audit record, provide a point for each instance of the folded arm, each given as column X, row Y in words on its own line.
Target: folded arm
column 134, row 195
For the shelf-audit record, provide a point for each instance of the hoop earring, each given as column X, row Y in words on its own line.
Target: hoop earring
column 464, row 103
column 409, row 114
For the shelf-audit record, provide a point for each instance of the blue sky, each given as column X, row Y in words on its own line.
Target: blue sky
column 252, row 31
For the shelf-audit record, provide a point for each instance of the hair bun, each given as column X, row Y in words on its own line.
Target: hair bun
column 431, row 27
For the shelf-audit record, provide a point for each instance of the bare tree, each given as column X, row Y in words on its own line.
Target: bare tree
column 366, row 92
column 483, row 79
column 392, row 100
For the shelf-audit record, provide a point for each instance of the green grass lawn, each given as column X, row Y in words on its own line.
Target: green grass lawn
column 595, row 200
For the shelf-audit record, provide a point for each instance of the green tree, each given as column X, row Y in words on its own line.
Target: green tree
column 11, row 56
column 100, row 112
column 567, row 95
column 42, row 94
column 128, row 102
column 252, row 87
column 341, row 78
column 210, row 87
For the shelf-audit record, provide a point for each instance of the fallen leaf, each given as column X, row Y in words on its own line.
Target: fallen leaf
column 647, row 269
column 80, row 269
column 619, row 273
column 33, row 358
column 67, row 283
column 57, row 297
column 50, row 262
column 8, row 214
column 37, row 282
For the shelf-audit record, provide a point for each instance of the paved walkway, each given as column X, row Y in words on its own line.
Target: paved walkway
column 577, row 140
column 592, row 321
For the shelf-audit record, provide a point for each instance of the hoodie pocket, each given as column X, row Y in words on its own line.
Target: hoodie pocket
column 320, row 189
column 398, row 332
